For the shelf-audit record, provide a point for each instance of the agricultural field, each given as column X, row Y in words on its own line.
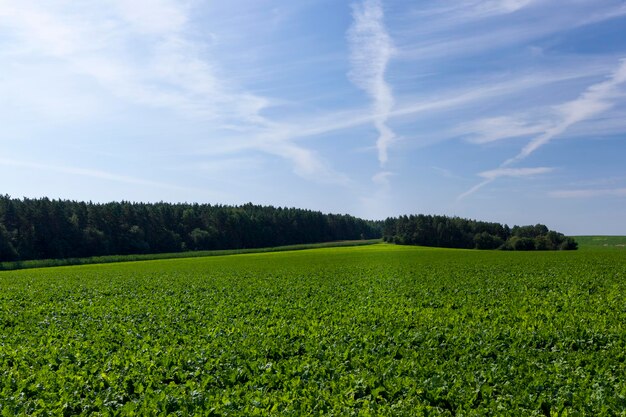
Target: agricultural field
column 373, row 330
column 604, row 242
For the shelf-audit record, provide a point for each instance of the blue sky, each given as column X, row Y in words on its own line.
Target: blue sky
column 500, row 110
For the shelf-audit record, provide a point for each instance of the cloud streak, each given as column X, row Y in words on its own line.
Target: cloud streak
column 102, row 175
column 492, row 175
column 307, row 163
column 371, row 48
column 170, row 72
column 596, row 99
column 589, row 193
column 514, row 172
column 173, row 72
column 280, row 138
column 451, row 29
column 497, row 128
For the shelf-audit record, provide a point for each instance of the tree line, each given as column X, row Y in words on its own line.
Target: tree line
column 456, row 232
column 57, row 229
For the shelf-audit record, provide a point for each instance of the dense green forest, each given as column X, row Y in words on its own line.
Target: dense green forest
column 55, row 229
column 456, row 232
column 45, row 229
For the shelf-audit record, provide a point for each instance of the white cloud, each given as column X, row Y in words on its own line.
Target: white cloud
column 307, row 164
column 456, row 12
column 103, row 175
column 154, row 54
column 371, row 49
column 497, row 128
column 595, row 100
column 164, row 68
column 514, row 172
column 589, row 193
column 275, row 134
column 145, row 53
column 497, row 7
column 492, row 175
column 441, row 102
column 454, row 29
column 474, row 189
column 491, row 88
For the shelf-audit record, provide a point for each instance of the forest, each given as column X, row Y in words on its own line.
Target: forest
column 56, row 229
column 456, row 232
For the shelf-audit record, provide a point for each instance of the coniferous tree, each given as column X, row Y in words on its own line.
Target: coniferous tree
column 44, row 228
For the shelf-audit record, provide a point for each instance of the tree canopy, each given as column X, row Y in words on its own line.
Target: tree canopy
column 56, row 229
column 47, row 229
column 456, row 232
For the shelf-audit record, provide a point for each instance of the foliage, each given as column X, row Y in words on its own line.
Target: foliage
column 375, row 330
column 456, row 232
column 7, row 250
column 485, row 240
column 57, row 229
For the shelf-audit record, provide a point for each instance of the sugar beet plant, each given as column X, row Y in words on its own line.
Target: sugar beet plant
column 379, row 330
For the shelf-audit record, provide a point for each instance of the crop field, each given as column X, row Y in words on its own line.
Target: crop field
column 604, row 242
column 374, row 330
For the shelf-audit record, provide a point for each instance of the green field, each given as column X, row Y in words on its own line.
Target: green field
column 45, row 263
column 374, row 330
column 596, row 242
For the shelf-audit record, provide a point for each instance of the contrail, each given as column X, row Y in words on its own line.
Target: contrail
column 370, row 51
column 595, row 100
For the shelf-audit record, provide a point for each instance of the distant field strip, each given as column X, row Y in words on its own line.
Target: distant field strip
column 43, row 263
column 373, row 330
column 587, row 242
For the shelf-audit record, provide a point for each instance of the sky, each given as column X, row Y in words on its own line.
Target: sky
column 511, row 111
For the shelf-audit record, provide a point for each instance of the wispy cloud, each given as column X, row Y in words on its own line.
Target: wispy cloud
column 307, row 163
column 281, row 138
column 504, row 6
column 174, row 70
column 492, row 175
column 449, row 30
column 514, row 172
column 497, row 128
column 441, row 102
column 93, row 42
column 595, row 100
column 196, row 84
column 102, row 175
column 589, row 193
column 371, row 49
column 454, row 12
